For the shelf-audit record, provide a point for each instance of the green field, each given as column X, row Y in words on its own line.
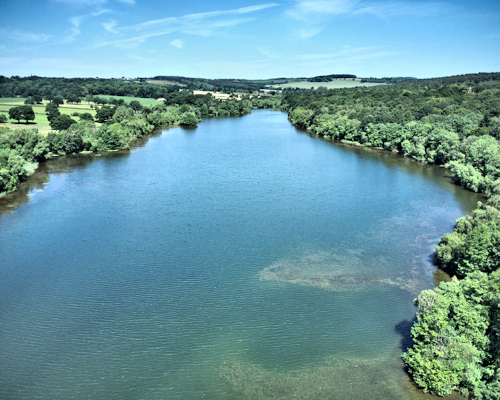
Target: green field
column 128, row 99
column 41, row 122
column 336, row 84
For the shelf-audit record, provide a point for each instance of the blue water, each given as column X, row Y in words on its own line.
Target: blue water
column 139, row 275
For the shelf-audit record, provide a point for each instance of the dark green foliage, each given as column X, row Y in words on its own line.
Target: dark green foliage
column 28, row 113
column 61, row 122
column 86, row 116
column 135, row 105
column 3, row 118
column 456, row 338
column 22, row 112
column 104, row 114
column 16, row 113
column 446, row 125
column 52, row 111
column 474, row 245
column 57, row 100
column 189, row 119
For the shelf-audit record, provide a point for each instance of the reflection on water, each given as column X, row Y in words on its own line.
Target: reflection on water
column 240, row 260
column 58, row 165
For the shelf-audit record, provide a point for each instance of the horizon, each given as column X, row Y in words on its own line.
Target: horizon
column 236, row 78
column 249, row 39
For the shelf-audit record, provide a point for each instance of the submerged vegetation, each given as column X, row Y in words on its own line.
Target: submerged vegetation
column 332, row 378
column 453, row 122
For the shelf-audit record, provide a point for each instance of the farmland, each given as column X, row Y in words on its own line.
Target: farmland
column 41, row 122
column 335, row 84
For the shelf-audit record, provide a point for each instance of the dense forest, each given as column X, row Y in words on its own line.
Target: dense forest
column 76, row 89
column 453, row 122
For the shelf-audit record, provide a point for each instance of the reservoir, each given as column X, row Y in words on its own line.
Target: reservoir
column 242, row 259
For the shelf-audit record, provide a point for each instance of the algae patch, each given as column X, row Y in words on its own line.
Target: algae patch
column 333, row 378
column 330, row 271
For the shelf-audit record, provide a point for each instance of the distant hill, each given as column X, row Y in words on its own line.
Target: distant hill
column 493, row 78
column 251, row 85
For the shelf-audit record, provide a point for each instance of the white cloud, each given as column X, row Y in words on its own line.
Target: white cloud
column 386, row 10
column 27, row 37
column 129, row 43
column 190, row 18
column 110, row 26
column 177, row 43
column 314, row 14
column 76, row 21
column 305, row 33
column 138, row 58
column 307, row 9
column 200, row 24
column 82, row 3
column 100, row 12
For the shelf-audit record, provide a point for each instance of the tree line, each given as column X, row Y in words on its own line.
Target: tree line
column 456, row 337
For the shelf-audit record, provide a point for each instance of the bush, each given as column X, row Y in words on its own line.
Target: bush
column 86, row 116
column 189, row 119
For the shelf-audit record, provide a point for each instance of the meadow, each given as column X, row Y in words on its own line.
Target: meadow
column 41, row 122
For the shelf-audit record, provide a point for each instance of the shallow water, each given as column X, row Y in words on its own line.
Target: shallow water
column 149, row 274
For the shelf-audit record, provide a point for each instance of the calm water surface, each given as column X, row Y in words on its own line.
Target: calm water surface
column 242, row 259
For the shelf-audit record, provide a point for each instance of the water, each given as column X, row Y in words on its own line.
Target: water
column 242, row 259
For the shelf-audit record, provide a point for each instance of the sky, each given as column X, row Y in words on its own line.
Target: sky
column 248, row 39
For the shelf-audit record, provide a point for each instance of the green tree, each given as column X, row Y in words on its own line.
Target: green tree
column 86, row 116
column 135, row 105
column 189, row 119
column 58, row 100
column 16, row 113
column 453, row 349
column 28, row 113
column 104, row 114
column 61, row 122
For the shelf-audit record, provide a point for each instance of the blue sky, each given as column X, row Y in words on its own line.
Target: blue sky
column 248, row 38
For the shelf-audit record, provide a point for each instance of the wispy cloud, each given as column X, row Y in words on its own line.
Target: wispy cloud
column 77, row 20
column 82, row 3
column 28, row 37
column 200, row 24
column 191, row 18
column 314, row 9
column 129, row 43
column 386, row 10
column 110, row 26
column 177, row 43
column 315, row 14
